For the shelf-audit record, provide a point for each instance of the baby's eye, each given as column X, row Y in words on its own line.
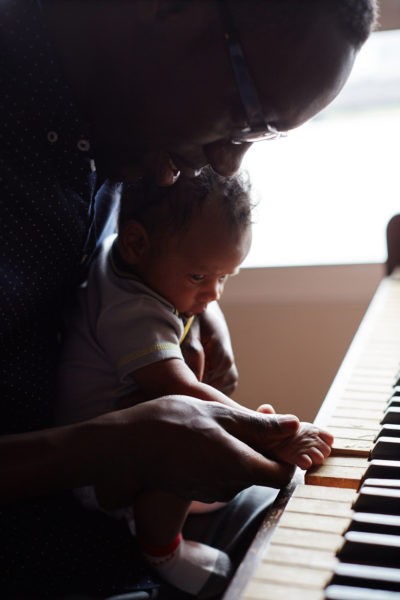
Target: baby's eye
column 196, row 278
column 223, row 278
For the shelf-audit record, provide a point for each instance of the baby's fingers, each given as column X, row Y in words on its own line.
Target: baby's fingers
column 323, row 447
column 326, row 436
column 303, row 461
column 267, row 409
column 316, row 455
column 312, row 458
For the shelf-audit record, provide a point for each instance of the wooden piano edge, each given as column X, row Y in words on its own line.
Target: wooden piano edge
column 261, row 540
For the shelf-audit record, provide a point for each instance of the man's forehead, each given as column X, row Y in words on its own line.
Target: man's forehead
column 296, row 80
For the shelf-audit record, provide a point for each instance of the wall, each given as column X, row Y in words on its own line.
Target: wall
column 389, row 11
column 291, row 328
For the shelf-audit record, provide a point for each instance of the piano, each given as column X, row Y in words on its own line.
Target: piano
column 334, row 532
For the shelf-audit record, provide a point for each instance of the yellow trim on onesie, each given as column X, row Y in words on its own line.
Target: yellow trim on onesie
column 134, row 355
column 186, row 329
column 155, row 348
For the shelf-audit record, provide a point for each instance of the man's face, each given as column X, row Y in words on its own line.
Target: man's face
column 186, row 108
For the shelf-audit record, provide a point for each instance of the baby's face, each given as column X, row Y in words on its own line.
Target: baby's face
column 191, row 270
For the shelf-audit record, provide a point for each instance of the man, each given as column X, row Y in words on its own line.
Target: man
column 94, row 91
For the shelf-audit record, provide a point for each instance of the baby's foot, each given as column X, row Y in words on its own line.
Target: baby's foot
column 309, row 446
column 195, row 568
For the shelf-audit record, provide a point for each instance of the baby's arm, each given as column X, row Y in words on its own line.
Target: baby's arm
column 298, row 444
column 173, row 376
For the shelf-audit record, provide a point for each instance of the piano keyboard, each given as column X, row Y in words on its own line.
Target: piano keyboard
column 300, row 558
column 337, row 538
column 356, row 406
column 326, row 546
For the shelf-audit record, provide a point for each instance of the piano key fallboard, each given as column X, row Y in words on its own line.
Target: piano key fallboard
column 337, row 538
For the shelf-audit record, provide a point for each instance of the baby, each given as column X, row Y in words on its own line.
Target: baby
column 174, row 252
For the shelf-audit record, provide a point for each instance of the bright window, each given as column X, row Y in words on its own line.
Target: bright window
column 326, row 192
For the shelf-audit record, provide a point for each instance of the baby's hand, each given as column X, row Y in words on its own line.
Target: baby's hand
column 309, row 446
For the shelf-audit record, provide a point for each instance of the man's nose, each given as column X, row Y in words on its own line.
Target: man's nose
column 225, row 157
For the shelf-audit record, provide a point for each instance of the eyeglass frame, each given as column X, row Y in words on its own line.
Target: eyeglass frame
column 257, row 127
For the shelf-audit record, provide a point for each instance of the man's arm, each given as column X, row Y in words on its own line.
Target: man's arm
column 196, row 449
column 51, row 460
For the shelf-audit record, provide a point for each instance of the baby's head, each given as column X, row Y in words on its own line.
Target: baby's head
column 186, row 239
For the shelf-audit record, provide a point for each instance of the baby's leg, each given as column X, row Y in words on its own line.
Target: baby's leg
column 190, row 566
column 204, row 507
column 159, row 517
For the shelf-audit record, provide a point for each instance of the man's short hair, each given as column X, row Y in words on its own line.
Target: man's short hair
column 355, row 18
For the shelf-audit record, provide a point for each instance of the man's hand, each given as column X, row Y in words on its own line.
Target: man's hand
column 193, row 448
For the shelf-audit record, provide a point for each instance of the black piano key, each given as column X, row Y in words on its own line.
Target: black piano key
column 391, row 415
column 370, row 548
column 386, row 447
column 388, row 431
column 393, row 402
column 375, row 523
column 367, row 576
column 383, row 469
column 345, row 592
column 378, row 500
column 385, row 483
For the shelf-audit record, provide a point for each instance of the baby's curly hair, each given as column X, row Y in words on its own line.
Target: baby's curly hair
column 170, row 210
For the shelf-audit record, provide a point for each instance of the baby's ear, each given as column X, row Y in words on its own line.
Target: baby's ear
column 133, row 242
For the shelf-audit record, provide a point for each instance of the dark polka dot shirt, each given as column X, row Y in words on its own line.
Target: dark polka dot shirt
column 46, row 191
column 52, row 213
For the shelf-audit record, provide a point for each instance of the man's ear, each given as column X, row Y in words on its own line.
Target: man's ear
column 133, row 242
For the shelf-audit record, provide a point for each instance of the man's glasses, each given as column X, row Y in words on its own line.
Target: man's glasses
column 257, row 127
